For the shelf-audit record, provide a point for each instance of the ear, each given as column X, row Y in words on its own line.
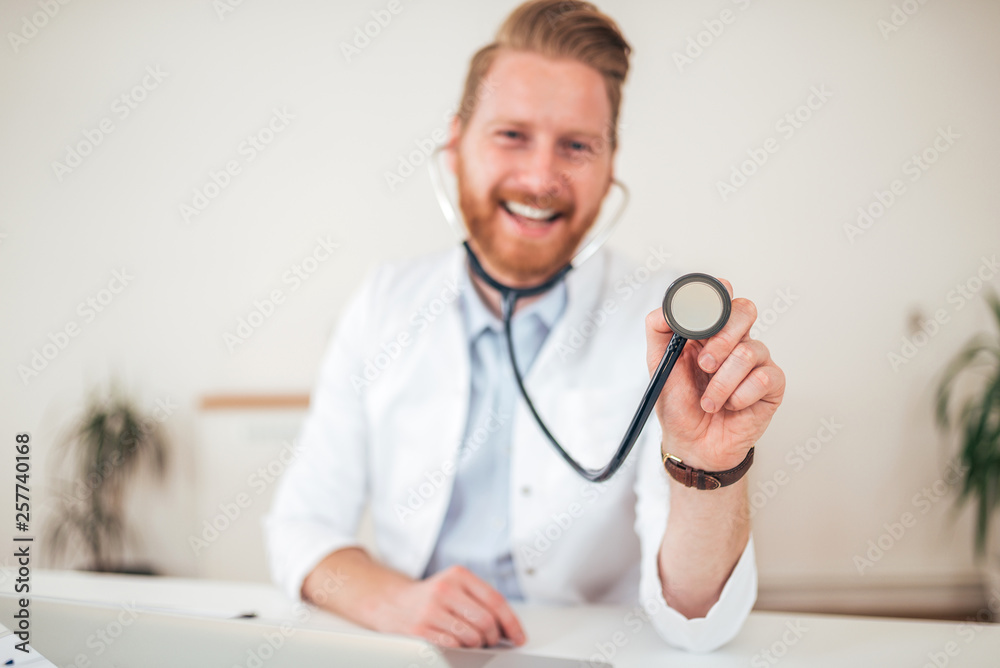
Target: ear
column 454, row 137
column 611, row 173
column 611, row 181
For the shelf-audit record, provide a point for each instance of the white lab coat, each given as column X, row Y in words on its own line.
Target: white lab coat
column 389, row 410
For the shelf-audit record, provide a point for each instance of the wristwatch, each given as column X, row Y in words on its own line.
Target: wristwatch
column 691, row 477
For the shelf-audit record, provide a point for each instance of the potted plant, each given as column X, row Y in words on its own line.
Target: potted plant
column 105, row 449
column 974, row 413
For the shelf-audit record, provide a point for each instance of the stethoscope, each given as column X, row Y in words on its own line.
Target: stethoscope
column 696, row 306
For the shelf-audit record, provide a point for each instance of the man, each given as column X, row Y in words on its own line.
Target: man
column 416, row 414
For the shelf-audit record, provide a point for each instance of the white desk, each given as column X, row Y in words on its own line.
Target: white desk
column 581, row 632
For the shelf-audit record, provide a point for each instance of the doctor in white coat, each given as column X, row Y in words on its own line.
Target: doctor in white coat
column 415, row 413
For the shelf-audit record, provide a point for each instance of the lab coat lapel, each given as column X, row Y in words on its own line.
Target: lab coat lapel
column 439, row 377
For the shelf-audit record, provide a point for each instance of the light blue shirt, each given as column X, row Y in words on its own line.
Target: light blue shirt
column 475, row 532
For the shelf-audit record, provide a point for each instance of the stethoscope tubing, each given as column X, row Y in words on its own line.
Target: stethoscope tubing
column 646, row 405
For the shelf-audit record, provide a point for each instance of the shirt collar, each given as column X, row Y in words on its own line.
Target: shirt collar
column 478, row 317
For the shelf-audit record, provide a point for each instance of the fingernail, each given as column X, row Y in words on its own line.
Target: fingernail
column 707, row 362
column 708, row 405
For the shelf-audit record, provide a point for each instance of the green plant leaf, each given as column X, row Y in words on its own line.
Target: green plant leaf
column 971, row 353
column 977, row 419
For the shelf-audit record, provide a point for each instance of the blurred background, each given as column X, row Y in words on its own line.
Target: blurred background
column 191, row 190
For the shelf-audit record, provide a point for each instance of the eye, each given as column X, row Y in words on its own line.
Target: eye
column 514, row 135
column 577, row 147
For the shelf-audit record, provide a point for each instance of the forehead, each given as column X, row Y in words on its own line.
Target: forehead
column 561, row 95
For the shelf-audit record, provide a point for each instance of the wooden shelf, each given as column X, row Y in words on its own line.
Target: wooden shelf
column 215, row 402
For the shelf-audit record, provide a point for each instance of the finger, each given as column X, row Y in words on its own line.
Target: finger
column 482, row 620
column 744, row 358
column 466, row 633
column 729, row 286
column 716, row 349
column 765, row 383
column 437, row 636
column 449, row 597
column 658, row 334
column 447, row 624
column 494, row 601
column 655, row 322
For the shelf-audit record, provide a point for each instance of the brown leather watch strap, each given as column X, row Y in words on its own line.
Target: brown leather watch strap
column 699, row 479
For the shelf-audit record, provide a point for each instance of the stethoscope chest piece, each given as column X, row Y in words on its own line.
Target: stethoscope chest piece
column 697, row 306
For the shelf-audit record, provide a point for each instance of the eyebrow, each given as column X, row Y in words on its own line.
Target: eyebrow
column 525, row 124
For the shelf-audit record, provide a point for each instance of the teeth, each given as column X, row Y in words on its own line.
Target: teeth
column 530, row 211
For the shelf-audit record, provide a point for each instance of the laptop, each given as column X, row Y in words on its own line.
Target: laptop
column 75, row 634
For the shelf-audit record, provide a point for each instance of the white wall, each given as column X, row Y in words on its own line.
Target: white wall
column 683, row 130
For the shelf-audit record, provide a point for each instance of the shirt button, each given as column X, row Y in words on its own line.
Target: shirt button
column 529, row 571
column 526, row 491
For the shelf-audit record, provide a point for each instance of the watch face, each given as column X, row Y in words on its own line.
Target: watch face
column 696, row 306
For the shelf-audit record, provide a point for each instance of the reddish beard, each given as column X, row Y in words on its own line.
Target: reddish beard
column 519, row 261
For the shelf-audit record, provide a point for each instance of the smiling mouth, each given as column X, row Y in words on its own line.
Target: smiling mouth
column 530, row 216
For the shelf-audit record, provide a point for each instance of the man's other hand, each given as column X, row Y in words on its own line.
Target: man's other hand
column 452, row 608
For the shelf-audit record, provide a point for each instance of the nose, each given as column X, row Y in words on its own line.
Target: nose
column 540, row 174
